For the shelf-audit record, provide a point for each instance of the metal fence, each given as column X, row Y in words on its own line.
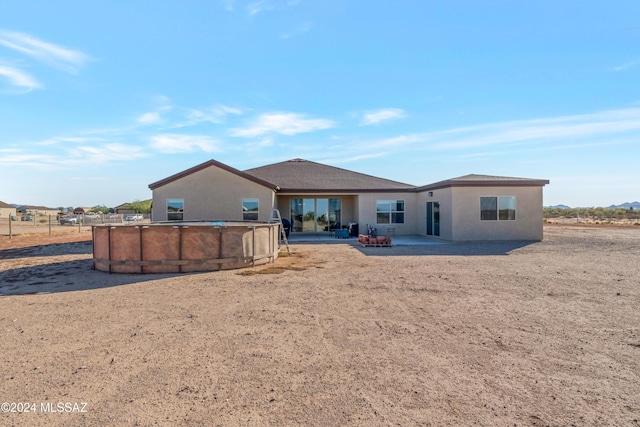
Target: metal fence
column 82, row 220
column 100, row 219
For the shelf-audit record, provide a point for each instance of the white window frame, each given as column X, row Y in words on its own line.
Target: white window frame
column 180, row 212
column 391, row 212
column 247, row 213
column 497, row 211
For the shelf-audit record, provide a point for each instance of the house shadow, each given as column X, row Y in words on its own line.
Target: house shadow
column 418, row 245
column 43, row 276
column 483, row 248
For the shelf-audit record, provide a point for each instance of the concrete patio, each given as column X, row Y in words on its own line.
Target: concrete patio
column 408, row 240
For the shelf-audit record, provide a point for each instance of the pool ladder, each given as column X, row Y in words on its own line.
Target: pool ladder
column 275, row 216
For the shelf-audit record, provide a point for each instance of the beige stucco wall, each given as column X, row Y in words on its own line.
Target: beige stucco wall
column 466, row 223
column 50, row 212
column 349, row 208
column 7, row 212
column 39, row 212
column 212, row 193
column 367, row 212
column 444, row 196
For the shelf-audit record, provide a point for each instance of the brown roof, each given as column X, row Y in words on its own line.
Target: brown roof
column 6, row 205
column 474, row 180
column 82, row 209
column 300, row 175
column 304, row 176
column 39, row 208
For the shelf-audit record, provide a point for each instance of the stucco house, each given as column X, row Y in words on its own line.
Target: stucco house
column 40, row 211
column 6, row 210
column 319, row 198
column 82, row 210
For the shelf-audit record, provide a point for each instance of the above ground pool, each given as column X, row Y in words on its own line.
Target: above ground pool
column 184, row 247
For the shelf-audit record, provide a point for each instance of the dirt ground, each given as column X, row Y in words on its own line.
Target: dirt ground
column 504, row 333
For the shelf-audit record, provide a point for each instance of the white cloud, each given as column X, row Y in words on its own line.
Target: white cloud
column 355, row 158
column 257, row 145
column 9, row 150
column 256, row 7
column 555, row 130
column 56, row 56
column 375, row 117
column 300, row 29
column 163, row 102
column 162, row 106
column 215, row 114
column 223, row 109
column 559, row 131
column 73, row 157
column 282, row 123
column 109, row 152
column 149, row 118
column 29, row 160
column 627, row 66
column 177, row 117
column 175, row 143
column 228, row 4
column 19, row 78
column 56, row 140
column 402, row 140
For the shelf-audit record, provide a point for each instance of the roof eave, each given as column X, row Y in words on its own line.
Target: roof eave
column 487, row 183
column 343, row 190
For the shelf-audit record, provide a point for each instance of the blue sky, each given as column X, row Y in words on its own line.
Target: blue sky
column 100, row 99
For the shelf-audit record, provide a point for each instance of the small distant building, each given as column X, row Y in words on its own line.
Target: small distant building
column 6, row 210
column 37, row 210
column 123, row 209
column 82, row 211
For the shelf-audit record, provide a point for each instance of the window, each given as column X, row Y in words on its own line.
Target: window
column 175, row 209
column 250, row 209
column 390, row 211
column 507, row 208
column 488, row 208
column 501, row 208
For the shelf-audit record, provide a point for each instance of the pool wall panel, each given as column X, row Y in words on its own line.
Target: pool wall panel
column 183, row 248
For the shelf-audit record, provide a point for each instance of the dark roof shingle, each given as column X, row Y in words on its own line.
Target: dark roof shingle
column 304, row 175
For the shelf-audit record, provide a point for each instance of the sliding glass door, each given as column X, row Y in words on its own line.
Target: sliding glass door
column 315, row 215
column 433, row 218
column 335, row 214
column 322, row 214
column 309, row 219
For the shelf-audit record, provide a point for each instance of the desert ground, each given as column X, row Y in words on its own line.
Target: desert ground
column 491, row 333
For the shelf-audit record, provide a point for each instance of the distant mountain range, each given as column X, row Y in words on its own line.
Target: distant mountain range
column 626, row 205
